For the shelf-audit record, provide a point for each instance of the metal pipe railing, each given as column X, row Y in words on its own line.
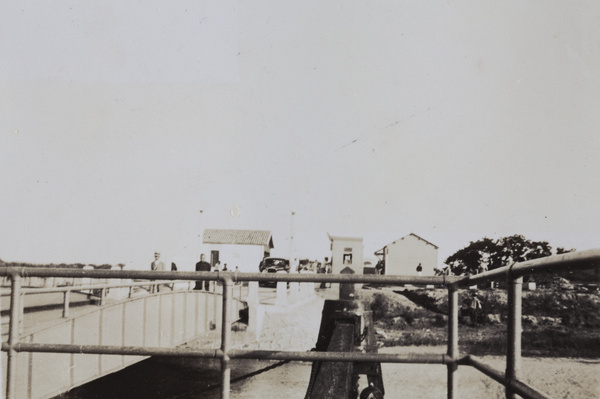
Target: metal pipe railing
column 48, row 290
column 513, row 273
column 406, row 358
column 225, row 339
column 513, row 333
column 66, row 290
column 570, row 261
column 517, row 387
column 234, row 276
column 13, row 336
column 452, row 338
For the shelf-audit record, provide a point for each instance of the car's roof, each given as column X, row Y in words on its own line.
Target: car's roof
column 273, row 258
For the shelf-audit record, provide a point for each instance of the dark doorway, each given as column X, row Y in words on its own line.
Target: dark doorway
column 214, row 257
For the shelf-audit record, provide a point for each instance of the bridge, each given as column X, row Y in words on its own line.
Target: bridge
column 115, row 335
column 76, row 313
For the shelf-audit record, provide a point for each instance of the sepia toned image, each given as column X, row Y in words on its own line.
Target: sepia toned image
column 318, row 199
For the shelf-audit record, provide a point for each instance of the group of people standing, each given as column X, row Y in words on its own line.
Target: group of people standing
column 201, row 266
column 204, row 266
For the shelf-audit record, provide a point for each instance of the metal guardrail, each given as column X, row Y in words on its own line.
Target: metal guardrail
column 513, row 274
column 86, row 287
column 99, row 291
column 89, row 289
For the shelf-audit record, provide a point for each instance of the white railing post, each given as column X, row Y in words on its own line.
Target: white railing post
column 66, row 304
column 281, row 298
column 254, row 321
column 294, row 286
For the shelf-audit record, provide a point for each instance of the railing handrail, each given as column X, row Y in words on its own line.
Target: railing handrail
column 513, row 274
column 45, row 290
column 234, row 276
column 572, row 261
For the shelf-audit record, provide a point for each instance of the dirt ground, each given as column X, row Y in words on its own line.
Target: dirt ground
column 556, row 377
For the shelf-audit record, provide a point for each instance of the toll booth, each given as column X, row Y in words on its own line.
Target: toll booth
column 346, row 252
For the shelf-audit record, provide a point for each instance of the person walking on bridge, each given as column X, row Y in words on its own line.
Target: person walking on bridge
column 202, row 266
column 158, row 266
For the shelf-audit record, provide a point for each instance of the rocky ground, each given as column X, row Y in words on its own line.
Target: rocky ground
column 555, row 323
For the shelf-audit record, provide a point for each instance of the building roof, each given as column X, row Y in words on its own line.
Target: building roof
column 422, row 239
column 331, row 238
column 380, row 251
column 238, row 237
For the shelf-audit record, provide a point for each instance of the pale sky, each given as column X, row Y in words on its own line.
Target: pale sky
column 120, row 121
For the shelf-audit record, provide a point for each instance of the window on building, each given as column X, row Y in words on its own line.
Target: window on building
column 347, row 259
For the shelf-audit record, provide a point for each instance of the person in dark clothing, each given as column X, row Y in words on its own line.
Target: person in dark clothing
column 379, row 267
column 475, row 308
column 202, row 266
column 173, row 269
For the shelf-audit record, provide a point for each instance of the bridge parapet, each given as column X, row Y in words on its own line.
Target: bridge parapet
column 164, row 320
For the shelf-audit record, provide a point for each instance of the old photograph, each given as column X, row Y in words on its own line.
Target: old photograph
column 307, row 199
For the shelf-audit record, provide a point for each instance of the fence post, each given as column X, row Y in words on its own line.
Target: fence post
column 281, row 295
column 66, row 304
column 513, row 339
column 21, row 303
column 452, row 338
column 225, row 338
column 13, row 336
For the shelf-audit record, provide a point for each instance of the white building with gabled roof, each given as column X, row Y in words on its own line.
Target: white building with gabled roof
column 242, row 248
column 403, row 256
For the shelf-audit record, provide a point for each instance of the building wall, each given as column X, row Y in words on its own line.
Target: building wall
column 347, row 246
column 403, row 256
column 246, row 257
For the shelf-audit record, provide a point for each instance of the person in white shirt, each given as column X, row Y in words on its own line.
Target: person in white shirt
column 159, row 266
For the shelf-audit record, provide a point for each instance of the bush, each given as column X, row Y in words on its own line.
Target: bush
column 574, row 309
column 386, row 306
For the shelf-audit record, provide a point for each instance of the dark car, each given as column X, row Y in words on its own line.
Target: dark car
column 273, row 265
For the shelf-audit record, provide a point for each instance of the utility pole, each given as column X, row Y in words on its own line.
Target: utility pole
column 199, row 235
column 292, row 263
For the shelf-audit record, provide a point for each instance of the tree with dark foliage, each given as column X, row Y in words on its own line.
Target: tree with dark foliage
column 488, row 254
